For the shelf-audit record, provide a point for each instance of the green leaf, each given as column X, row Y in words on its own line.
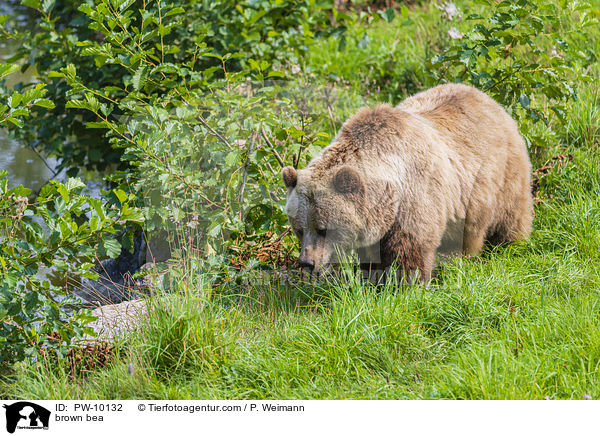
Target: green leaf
column 44, row 102
column 166, row 68
column 92, row 275
column 15, row 99
column 404, row 11
column 121, row 195
column 77, row 104
column 86, row 9
column 133, row 215
column 70, row 71
column 389, row 14
column 55, row 74
column 125, row 4
column 16, row 121
column 6, row 69
column 559, row 112
column 257, row 16
column 139, row 78
column 94, row 104
column 65, row 230
column 164, row 30
column 74, row 183
column 109, row 247
column 64, row 193
column 33, row 4
column 47, row 5
column 175, row 11
column 232, row 158
column 214, row 231
column 97, row 125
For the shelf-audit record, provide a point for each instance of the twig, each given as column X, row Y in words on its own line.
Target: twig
column 54, row 171
column 503, row 79
column 297, row 160
column 203, row 121
column 283, row 235
column 270, row 167
column 279, row 159
column 241, row 195
column 213, row 131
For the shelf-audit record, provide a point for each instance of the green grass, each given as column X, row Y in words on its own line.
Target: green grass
column 383, row 61
column 583, row 126
column 521, row 321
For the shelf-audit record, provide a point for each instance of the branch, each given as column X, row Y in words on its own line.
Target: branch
column 283, row 235
column 241, row 195
column 213, row 131
column 503, row 79
column 279, row 159
column 203, row 121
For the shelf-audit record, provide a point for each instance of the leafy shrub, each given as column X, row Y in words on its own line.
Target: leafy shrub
column 63, row 230
column 50, row 45
column 207, row 144
column 517, row 53
column 91, row 36
column 192, row 102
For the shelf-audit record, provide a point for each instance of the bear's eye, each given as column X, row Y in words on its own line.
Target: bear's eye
column 321, row 232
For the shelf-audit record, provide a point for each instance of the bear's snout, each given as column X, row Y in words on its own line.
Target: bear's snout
column 305, row 262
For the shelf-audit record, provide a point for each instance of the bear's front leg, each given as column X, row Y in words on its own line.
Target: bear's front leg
column 414, row 259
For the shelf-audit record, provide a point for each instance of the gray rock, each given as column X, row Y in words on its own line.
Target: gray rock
column 117, row 320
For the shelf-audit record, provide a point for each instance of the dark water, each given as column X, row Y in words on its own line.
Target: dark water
column 25, row 166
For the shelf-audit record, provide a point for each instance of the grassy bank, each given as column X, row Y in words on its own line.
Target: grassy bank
column 521, row 321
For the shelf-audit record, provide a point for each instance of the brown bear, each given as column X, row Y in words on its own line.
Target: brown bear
column 445, row 169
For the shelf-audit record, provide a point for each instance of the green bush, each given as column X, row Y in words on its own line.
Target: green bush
column 92, row 35
column 519, row 54
column 63, row 231
column 206, row 143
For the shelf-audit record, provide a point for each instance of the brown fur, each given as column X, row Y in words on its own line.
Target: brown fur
column 448, row 163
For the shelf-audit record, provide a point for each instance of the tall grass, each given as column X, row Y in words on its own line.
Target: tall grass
column 583, row 126
column 520, row 321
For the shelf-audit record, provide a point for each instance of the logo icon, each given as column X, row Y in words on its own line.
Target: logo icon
column 26, row 415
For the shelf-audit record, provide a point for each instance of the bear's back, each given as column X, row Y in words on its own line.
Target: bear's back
column 452, row 121
column 469, row 119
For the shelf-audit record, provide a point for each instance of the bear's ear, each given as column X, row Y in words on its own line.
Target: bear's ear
column 290, row 176
column 347, row 181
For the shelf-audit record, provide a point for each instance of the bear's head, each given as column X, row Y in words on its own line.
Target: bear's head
column 329, row 212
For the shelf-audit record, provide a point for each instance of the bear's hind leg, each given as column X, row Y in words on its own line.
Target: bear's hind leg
column 476, row 228
column 515, row 224
column 428, row 263
column 514, row 219
column 473, row 242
